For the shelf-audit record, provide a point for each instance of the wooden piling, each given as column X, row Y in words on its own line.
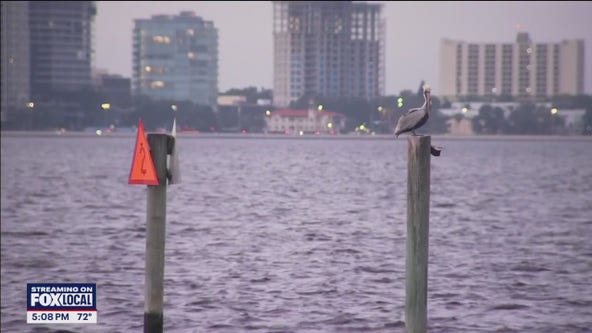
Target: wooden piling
column 160, row 146
column 418, row 207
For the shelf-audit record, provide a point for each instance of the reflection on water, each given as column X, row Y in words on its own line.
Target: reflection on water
column 304, row 235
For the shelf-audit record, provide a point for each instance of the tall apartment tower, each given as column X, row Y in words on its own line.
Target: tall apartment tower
column 520, row 69
column 15, row 57
column 176, row 58
column 327, row 48
column 61, row 46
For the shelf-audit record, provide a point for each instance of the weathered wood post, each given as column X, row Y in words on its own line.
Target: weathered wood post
column 160, row 146
column 418, row 208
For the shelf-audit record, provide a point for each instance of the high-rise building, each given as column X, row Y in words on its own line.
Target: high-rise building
column 61, row 46
column 327, row 48
column 15, row 57
column 521, row 69
column 176, row 58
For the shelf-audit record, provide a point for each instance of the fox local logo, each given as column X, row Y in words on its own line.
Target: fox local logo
column 59, row 296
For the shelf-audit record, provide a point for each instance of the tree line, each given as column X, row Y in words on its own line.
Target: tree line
column 77, row 111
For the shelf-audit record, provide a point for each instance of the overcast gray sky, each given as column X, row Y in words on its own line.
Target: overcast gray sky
column 414, row 30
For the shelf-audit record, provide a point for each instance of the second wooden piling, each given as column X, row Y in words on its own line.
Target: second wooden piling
column 418, row 207
column 160, row 145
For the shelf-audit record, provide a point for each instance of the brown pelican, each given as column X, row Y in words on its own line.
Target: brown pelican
column 416, row 117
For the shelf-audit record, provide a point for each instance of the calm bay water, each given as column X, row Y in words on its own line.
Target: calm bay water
column 269, row 235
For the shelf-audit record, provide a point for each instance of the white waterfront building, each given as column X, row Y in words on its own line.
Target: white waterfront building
column 520, row 69
column 311, row 121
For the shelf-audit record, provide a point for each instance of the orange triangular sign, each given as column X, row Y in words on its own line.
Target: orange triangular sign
column 143, row 171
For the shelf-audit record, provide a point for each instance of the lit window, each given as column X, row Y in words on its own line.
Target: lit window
column 190, row 32
column 157, row 84
column 161, row 39
column 191, row 55
column 148, row 69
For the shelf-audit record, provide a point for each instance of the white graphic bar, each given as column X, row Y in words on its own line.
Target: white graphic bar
column 62, row 317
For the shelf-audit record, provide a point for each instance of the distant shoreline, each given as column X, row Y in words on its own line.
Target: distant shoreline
column 439, row 137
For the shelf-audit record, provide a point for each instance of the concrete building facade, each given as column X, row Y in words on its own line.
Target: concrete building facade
column 47, row 50
column 61, row 46
column 176, row 58
column 521, row 69
column 15, row 57
column 327, row 48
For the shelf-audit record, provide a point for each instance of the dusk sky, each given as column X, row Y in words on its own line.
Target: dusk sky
column 413, row 34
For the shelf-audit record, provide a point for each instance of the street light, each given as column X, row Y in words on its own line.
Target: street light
column 554, row 112
column 174, row 107
column 320, row 107
column 30, row 106
column 105, row 116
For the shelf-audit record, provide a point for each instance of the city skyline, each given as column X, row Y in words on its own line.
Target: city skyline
column 246, row 42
